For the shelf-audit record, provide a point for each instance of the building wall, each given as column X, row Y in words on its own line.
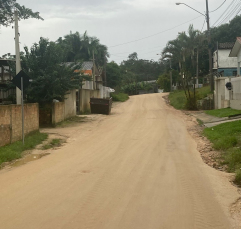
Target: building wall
column 227, row 72
column 70, row 104
column 84, row 98
column 11, row 122
column 224, row 61
column 58, row 112
column 228, row 98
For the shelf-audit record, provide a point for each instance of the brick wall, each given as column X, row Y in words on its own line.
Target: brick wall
column 11, row 122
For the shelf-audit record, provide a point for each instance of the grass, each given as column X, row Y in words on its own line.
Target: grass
column 14, row 151
column 226, row 112
column 226, row 137
column 200, row 122
column 54, row 143
column 71, row 121
column 178, row 98
column 121, row 97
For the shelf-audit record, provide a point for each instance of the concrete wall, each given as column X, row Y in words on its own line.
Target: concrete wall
column 84, row 98
column 70, row 104
column 11, row 122
column 228, row 98
column 58, row 112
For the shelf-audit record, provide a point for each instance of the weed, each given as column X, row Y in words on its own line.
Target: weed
column 237, row 179
column 200, row 122
column 54, row 143
column 15, row 150
column 119, row 97
column 70, row 121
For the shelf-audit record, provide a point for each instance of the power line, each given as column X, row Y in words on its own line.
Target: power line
column 225, row 12
column 233, row 13
column 218, row 7
column 154, row 34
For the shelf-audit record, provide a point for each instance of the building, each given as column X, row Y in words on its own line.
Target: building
column 6, row 94
column 223, row 64
column 236, row 53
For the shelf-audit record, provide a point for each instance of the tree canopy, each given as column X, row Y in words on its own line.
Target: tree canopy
column 7, row 8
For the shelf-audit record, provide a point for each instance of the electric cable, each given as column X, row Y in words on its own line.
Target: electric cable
column 225, row 12
column 154, row 34
column 218, row 7
column 230, row 14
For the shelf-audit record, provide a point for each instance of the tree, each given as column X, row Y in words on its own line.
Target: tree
column 50, row 78
column 113, row 74
column 7, row 8
column 82, row 47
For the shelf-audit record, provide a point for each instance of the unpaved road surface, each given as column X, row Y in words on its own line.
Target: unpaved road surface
column 135, row 169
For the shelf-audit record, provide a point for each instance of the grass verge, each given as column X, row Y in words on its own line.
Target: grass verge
column 71, row 121
column 226, row 137
column 178, row 98
column 121, row 97
column 54, row 143
column 14, row 151
column 225, row 112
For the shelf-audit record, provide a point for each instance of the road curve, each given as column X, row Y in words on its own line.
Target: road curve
column 135, row 169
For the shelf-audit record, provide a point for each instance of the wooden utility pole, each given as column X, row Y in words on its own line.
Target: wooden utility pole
column 197, row 72
column 94, row 71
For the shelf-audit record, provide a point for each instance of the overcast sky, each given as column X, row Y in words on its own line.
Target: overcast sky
column 114, row 22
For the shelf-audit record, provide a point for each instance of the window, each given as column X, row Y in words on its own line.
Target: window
column 234, row 73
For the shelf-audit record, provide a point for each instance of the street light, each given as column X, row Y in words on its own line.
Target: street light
column 209, row 39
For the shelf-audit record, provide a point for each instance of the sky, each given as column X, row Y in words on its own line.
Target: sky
column 124, row 26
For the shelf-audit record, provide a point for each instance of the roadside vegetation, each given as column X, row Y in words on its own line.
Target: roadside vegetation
column 72, row 121
column 54, row 143
column 225, row 112
column 15, row 150
column 226, row 138
column 121, row 97
column 179, row 100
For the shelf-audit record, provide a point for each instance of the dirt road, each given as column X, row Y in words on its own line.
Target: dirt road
column 135, row 169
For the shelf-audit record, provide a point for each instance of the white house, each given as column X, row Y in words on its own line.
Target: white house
column 225, row 65
column 236, row 53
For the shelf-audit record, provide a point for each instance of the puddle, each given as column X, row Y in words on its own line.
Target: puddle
column 28, row 158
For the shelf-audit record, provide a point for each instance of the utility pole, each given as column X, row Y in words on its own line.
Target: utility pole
column 209, row 49
column 171, row 75
column 94, row 70
column 197, row 72
column 17, row 53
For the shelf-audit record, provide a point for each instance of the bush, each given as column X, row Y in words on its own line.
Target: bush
column 121, row 97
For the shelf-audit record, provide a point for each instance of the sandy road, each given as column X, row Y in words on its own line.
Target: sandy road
column 136, row 169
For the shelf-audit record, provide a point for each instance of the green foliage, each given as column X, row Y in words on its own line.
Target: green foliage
column 225, row 112
column 14, row 151
column 121, row 97
column 78, row 47
column 54, row 143
column 178, row 99
column 134, row 88
column 227, row 138
column 7, row 8
column 164, row 80
column 113, row 74
column 50, row 79
column 135, row 70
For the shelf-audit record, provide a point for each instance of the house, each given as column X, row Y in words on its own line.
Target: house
column 6, row 94
column 223, row 64
column 236, row 53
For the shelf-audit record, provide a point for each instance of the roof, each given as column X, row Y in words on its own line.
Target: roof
column 236, row 47
column 226, row 45
column 87, row 65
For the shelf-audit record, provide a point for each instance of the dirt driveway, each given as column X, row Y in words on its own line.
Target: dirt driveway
column 135, row 169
